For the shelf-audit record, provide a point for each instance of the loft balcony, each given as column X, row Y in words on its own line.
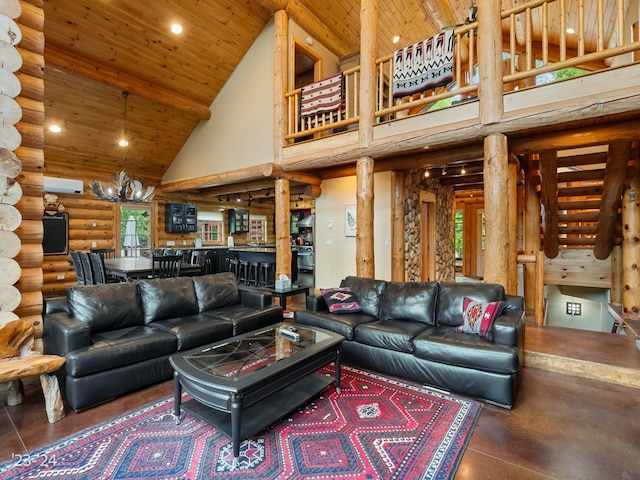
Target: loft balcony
column 548, row 79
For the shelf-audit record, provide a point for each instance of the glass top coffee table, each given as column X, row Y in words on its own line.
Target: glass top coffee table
column 245, row 383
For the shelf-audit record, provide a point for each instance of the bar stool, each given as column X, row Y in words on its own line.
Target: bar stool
column 243, row 270
column 252, row 274
column 234, row 267
column 265, row 273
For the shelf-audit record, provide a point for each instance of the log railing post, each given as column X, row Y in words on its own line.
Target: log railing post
column 497, row 205
column 368, row 52
column 490, row 64
column 364, row 213
column 531, row 231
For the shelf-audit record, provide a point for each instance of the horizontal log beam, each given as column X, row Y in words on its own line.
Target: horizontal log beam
column 124, row 82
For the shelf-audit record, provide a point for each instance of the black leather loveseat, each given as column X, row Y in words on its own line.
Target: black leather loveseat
column 409, row 330
column 118, row 337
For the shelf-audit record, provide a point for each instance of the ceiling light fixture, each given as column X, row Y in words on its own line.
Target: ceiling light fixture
column 176, row 28
column 55, row 129
column 126, row 189
column 570, row 31
column 463, row 171
column 426, row 173
column 396, row 39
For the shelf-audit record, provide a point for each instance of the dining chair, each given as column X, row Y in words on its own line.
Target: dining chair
column 99, row 270
column 199, row 257
column 89, row 278
column 77, row 266
column 105, row 252
column 210, row 263
column 165, row 266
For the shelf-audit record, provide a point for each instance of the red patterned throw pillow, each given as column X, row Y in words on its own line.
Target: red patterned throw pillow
column 478, row 317
column 340, row 300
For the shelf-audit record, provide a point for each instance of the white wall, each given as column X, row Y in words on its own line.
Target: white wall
column 335, row 253
column 240, row 131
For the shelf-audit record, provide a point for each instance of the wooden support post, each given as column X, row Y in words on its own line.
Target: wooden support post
column 511, row 286
column 497, row 205
column 631, row 247
column 397, row 228
column 368, row 53
column 364, row 211
column 531, row 232
column 490, row 63
column 283, row 247
column 616, row 274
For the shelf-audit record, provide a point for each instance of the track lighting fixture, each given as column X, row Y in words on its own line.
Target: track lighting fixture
column 250, row 196
column 228, row 198
column 426, row 173
column 238, row 198
column 463, row 171
column 444, row 171
column 220, row 199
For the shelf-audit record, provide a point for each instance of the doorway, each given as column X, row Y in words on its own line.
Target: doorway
column 135, row 230
column 480, row 243
column 306, row 65
column 428, row 235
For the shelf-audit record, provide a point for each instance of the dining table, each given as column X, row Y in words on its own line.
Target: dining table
column 134, row 268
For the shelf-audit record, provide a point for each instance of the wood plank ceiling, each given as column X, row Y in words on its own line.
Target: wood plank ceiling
column 97, row 49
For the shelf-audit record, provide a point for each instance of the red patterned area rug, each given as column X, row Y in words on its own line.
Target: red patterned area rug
column 377, row 427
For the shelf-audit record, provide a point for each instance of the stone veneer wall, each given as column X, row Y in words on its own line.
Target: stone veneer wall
column 445, row 228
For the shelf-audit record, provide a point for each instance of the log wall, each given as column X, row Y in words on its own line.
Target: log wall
column 445, row 228
column 25, row 139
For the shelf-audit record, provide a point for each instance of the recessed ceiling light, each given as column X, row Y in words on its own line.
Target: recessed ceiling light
column 570, row 30
column 176, row 28
column 55, row 129
column 123, row 143
column 396, row 39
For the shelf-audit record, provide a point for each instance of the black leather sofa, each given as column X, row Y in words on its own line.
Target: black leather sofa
column 118, row 337
column 409, row 330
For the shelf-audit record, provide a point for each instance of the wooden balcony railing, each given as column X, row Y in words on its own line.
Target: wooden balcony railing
column 536, row 42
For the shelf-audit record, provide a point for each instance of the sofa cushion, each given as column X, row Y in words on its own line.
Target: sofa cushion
column 340, row 300
column 451, row 297
column 443, row 344
column 413, row 301
column 478, row 317
column 167, row 298
column 105, row 307
column 195, row 330
column 344, row 325
column 368, row 292
column 245, row 319
column 117, row 348
column 389, row 334
column 216, row 290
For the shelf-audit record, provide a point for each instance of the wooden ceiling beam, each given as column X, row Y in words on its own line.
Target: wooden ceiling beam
column 549, row 201
column 310, row 23
column 273, row 170
column 582, row 137
column 123, row 82
column 611, row 201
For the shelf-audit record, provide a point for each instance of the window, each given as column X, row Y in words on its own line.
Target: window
column 258, row 228
column 210, row 227
column 135, row 230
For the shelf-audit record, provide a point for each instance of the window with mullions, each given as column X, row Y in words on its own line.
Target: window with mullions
column 210, row 227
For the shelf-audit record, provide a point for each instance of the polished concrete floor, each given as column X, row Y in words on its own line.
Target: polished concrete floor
column 563, row 426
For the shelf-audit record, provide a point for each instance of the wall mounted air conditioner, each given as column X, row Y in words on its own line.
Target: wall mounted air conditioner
column 62, row 185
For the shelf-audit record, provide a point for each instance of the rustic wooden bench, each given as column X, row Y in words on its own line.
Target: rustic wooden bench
column 17, row 361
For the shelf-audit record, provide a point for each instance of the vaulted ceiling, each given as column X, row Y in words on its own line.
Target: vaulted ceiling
column 95, row 49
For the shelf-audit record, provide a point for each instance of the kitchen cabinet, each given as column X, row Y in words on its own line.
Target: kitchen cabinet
column 180, row 218
column 238, row 220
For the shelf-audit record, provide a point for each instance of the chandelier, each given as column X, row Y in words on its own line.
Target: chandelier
column 125, row 188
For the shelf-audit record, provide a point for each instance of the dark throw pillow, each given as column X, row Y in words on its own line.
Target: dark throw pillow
column 478, row 317
column 340, row 300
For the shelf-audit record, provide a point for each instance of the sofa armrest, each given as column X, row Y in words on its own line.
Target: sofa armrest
column 63, row 334
column 316, row 303
column 514, row 302
column 255, row 298
column 508, row 329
